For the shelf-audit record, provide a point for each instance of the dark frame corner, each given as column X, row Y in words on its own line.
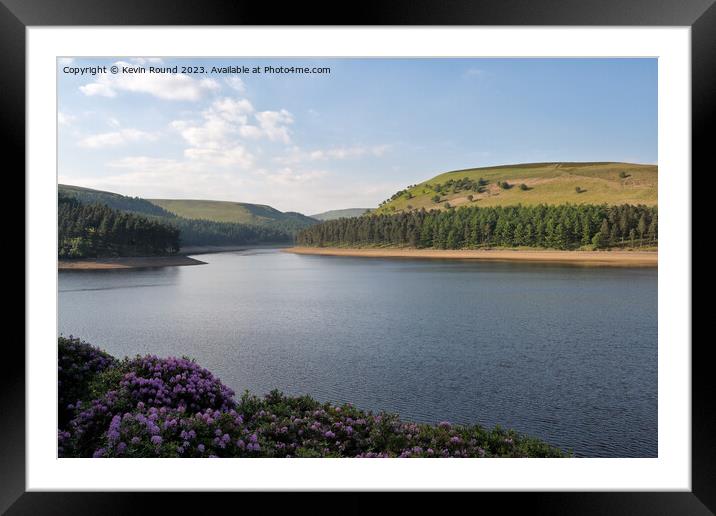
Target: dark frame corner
column 700, row 15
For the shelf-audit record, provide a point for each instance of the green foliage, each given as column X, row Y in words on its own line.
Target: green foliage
column 337, row 214
column 600, row 240
column 115, row 201
column 169, row 407
column 79, row 364
column 567, row 226
column 96, row 230
column 255, row 215
column 200, row 223
column 551, row 183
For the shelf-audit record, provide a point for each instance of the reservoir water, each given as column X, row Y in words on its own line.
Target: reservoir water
column 564, row 353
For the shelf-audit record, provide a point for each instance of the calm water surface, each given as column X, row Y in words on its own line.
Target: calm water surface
column 567, row 354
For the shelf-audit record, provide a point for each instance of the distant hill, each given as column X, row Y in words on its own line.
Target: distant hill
column 266, row 225
column 544, row 183
column 96, row 230
column 337, row 214
column 236, row 212
column 113, row 200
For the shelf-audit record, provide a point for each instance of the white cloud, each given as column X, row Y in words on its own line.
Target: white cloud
column 231, row 110
column 98, row 89
column 296, row 155
column 65, row 119
column 141, row 163
column 220, row 160
column 147, row 60
column 221, row 121
column 235, row 83
column 274, row 125
column 251, row 132
column 216, row 139
column 289, row 177
column 285, row 188
column 234, row 156
column 161, row 85
column 115, row 138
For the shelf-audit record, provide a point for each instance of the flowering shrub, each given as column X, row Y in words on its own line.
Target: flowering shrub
column 77, row 365
column 143, row 383
column 151, row 407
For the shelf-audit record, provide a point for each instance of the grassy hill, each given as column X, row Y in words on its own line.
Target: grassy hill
column 337, row 214
column 236, row 212
column 204, row 223
column 548, row 183
column 113, row 200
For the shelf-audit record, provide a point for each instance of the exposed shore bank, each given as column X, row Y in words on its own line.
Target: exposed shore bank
column 126, row 262
column 591, row 258
column 209, row 249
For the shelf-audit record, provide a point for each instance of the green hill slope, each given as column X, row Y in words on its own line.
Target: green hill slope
column 544, row 183
column 113, row 200
column 266, row 226
column 337, row 214
column 237, row 212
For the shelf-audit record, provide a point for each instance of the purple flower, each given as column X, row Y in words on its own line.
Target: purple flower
column 156, row 440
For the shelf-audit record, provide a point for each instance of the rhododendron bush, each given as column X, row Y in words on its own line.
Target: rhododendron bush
column 172, row 407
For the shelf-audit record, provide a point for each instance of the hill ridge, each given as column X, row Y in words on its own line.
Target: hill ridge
column 594, row 182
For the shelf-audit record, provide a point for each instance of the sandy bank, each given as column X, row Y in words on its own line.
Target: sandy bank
column 209, row 249
column 128, row 262
column 594, row 258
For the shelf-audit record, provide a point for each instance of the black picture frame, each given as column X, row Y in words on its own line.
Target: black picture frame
column 17, row 15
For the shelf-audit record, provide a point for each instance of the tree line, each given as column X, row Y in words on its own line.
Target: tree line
column 565, row 226
column 196, row 232
column 115, row 201
column 199, row 232
column 96, row 230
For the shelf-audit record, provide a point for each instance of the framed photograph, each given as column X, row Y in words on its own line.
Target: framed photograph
column 429, row 248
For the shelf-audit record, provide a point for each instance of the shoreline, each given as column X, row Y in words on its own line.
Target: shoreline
column 126, row 262
column 211, row 249
column 589, row 258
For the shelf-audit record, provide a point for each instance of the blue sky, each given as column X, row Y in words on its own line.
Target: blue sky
column 351, row 138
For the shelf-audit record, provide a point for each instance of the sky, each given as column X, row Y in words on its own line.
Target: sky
column 311, row 142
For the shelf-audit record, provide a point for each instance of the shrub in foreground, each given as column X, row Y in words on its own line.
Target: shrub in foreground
column 78, row 364
column 152, row 407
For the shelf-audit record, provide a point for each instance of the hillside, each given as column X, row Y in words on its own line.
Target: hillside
column 197, row 232
column 113, row 200
column 544, row 183
column 337, row 214
column 235, row 212
column 96, row 230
